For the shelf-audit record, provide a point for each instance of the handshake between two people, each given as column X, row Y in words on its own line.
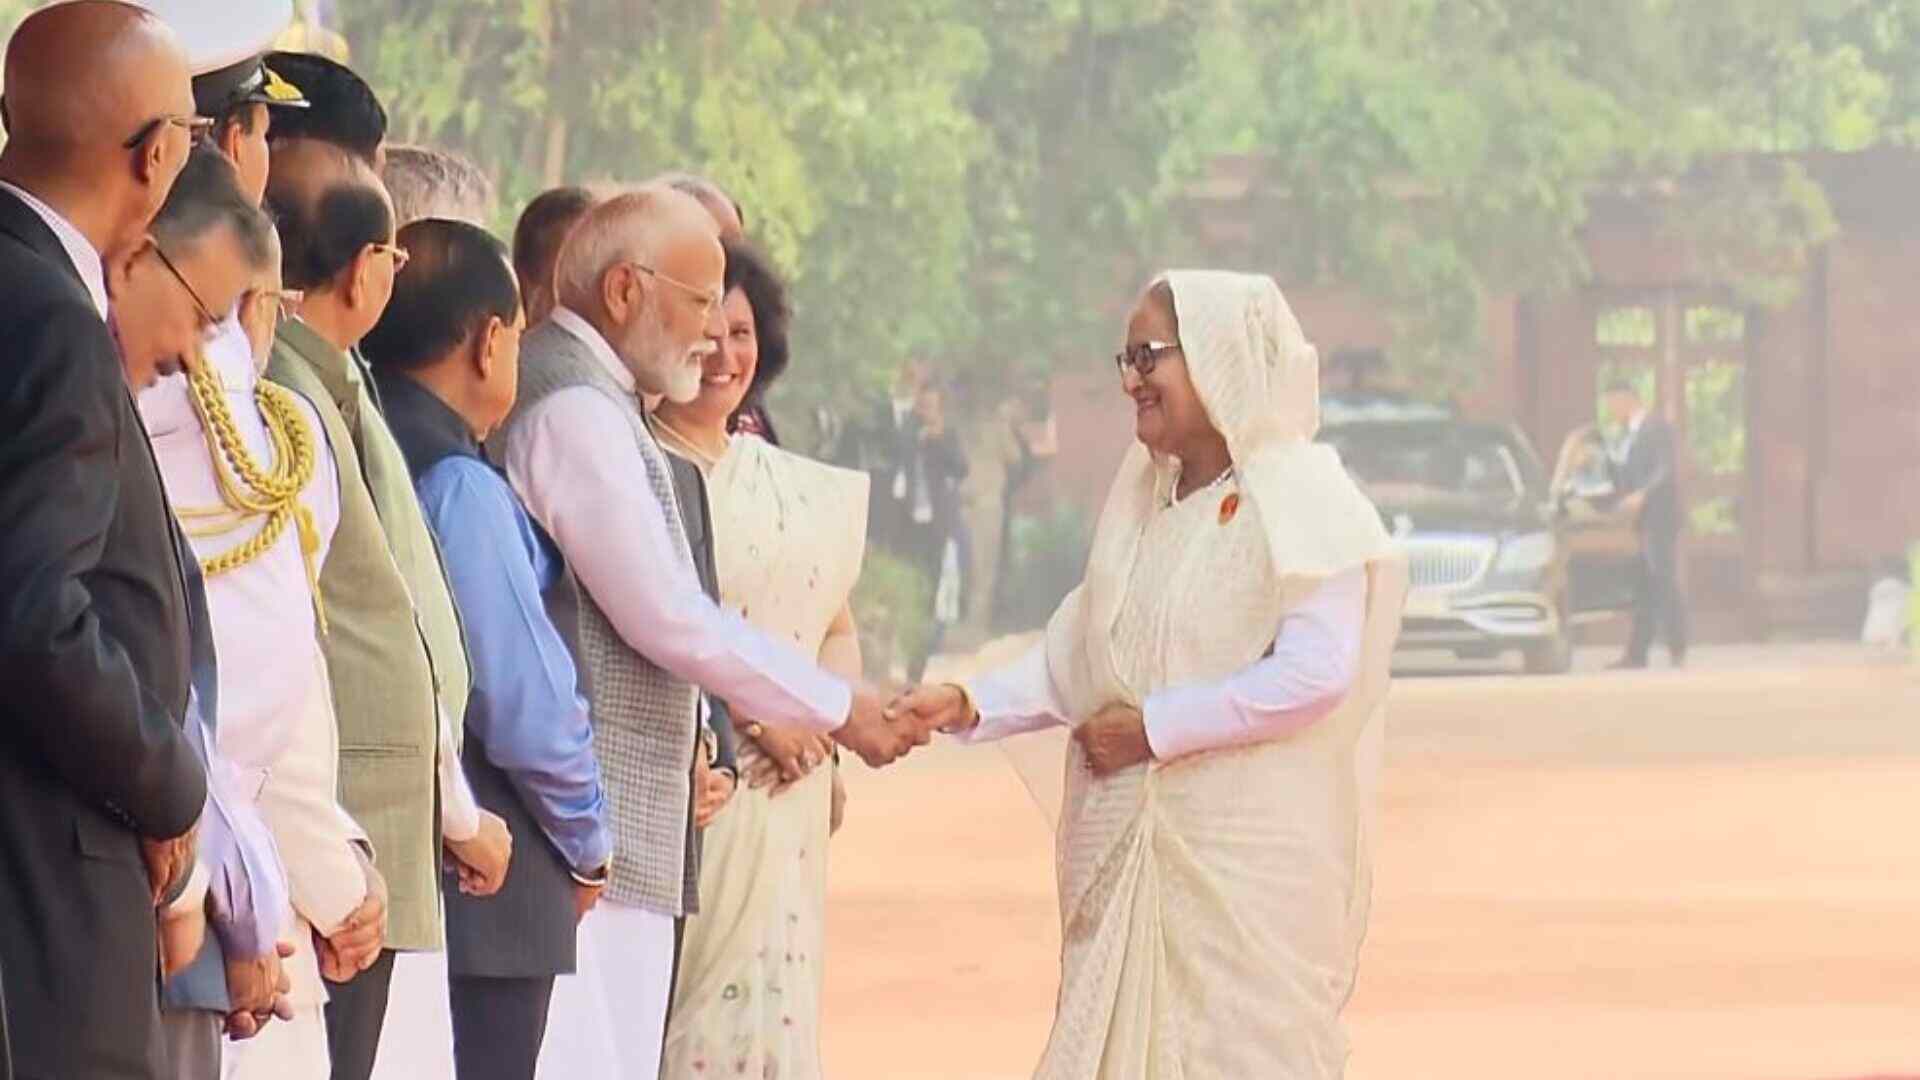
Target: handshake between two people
column 1114, row 738
column 883, row 730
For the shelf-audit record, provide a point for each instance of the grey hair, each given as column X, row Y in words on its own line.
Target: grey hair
column 428, row 182
column 703, row 189
column 633, row 226
column 207, row 197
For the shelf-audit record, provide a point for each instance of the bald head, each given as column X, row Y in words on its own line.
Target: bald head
column 724, row 208
column 329, row 205
column 98, row 100
column 645, row 268
column 89, row 74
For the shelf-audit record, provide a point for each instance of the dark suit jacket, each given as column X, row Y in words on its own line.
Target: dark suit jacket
column 1649, row 467
column 884, row 448
column 93, row 678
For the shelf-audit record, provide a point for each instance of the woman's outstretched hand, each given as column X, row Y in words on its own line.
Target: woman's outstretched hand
column 1114, row 738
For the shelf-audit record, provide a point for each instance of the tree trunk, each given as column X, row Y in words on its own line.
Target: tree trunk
column 554, row 171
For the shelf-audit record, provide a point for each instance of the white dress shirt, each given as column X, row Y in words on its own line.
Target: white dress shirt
column 86, row 259
column 1627, row 438
column 1314, row 660
column 459, row 809
column 583, row 479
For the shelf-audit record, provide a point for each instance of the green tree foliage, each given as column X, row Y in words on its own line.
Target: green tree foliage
column 983, row 182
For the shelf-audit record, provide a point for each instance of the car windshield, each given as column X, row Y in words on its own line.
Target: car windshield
column 1432, row 461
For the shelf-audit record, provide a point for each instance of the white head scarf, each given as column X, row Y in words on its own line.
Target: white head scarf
column 1258, row 378
column 1258, row 381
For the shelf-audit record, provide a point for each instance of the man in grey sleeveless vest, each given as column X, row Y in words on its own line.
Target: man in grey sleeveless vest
column 639, row 285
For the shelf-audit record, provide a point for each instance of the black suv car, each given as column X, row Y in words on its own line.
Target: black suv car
column 1501, row 560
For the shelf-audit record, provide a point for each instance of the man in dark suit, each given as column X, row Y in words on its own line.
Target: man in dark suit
column 99, row 788
column 885, row 448
column 1643, row 463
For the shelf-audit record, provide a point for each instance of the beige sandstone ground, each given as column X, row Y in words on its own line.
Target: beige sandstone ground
column 1712, row 874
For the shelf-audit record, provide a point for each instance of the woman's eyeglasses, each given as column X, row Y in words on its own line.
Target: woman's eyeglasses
column 1142, row 358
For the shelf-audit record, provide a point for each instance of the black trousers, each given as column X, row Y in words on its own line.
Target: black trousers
column 498, row 1025
column 356, row 1013
column 1658, row 606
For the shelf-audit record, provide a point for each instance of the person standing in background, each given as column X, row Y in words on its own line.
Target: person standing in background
column 885, row 449
column 1643, row 464
column 542, row 228
column 100, row 787
column 935, row 528
column 428, row 182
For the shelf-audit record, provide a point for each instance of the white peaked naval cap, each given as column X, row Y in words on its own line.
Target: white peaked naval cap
column 221, row 33
column 225, row 40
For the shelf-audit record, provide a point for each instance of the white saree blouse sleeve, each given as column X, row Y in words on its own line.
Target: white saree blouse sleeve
column 1313, row 663
column 1306, row 675
column 1015, row 699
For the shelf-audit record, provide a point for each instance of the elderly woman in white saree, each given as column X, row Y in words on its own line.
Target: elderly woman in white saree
column 789, row 534
column 1223, row 666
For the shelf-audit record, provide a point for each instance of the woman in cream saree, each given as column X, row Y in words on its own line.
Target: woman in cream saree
column 788, row 538
column 1223, row 665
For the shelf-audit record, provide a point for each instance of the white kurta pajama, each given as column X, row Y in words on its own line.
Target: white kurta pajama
column 1212, row 902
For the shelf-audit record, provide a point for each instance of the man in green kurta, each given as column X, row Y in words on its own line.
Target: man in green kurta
column 394, row 649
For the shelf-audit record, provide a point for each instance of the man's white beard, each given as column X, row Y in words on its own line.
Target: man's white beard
column 675, row 371
column 683, row 382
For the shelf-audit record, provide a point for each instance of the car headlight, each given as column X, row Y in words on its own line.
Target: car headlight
column 1525, row 553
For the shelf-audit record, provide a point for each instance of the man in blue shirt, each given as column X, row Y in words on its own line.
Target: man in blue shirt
column 446, row 357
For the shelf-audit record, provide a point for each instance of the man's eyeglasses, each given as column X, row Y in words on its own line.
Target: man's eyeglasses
column 708, row 301
column 1142, row 358
column 197, row 127
column 401, row 255
column 207, row 318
